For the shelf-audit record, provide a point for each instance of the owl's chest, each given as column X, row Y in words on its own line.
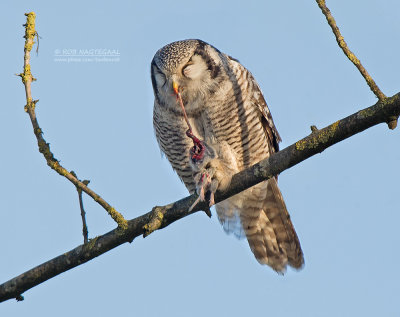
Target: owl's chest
column 213, row 119
column 222, row 114
column 200, row 123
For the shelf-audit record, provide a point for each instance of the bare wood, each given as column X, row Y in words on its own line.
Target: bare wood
column 162, row 216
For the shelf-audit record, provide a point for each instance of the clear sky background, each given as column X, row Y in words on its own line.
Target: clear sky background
column 97, row 116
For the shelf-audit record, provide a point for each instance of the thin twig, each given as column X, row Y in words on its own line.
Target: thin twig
column 44, row 147
column 83, row 216
column 83, row 213
column 350, row 55
column 161, row 217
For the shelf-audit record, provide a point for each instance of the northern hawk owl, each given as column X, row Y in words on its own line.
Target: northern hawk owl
column 228, row 114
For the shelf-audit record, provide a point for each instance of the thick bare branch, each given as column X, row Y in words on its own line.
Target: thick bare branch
column 163, row 216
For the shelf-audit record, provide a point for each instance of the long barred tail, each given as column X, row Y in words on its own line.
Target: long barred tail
column 268, row 228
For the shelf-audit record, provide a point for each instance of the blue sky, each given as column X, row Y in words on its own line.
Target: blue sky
column 97, row 116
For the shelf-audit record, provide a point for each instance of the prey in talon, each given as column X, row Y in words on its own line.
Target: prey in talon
column 199, row 153
column 211, row 121
column 206, row 186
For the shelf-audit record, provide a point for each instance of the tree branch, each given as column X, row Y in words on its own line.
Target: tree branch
column 161, row 217
column 85, row 231
column 44, row 147
column 350, row 55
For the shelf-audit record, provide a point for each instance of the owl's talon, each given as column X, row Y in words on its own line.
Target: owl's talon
column 204, row 186
column 202, row 195
column 212, row 201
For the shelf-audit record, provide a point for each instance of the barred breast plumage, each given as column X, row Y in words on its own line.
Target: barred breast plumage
column 227, row 111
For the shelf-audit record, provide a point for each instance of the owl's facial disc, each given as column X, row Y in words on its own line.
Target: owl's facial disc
column 195, row 69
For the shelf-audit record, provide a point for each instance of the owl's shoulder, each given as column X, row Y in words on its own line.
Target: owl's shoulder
column 256, row 97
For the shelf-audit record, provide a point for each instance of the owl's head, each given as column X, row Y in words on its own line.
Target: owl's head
column 191, row 65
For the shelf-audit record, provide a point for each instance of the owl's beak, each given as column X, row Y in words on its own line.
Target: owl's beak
column 175, row 87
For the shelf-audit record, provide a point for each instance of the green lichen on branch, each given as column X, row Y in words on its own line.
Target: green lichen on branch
column 365, row 113
column 157, row 216
column 118, row 218
column 44, row 147
column 55, row 165
column 30, row 31
column 30, row 106
column 317, row 138
column 27, row 74
column 29, row 36
column 369, row 112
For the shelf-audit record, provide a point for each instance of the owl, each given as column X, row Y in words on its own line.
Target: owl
column 211, row 121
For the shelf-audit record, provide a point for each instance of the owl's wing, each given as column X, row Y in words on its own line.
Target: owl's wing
column 170, row 130
column 261, row 209
column 228, row 212
column 271, row 132
column 257, row 98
